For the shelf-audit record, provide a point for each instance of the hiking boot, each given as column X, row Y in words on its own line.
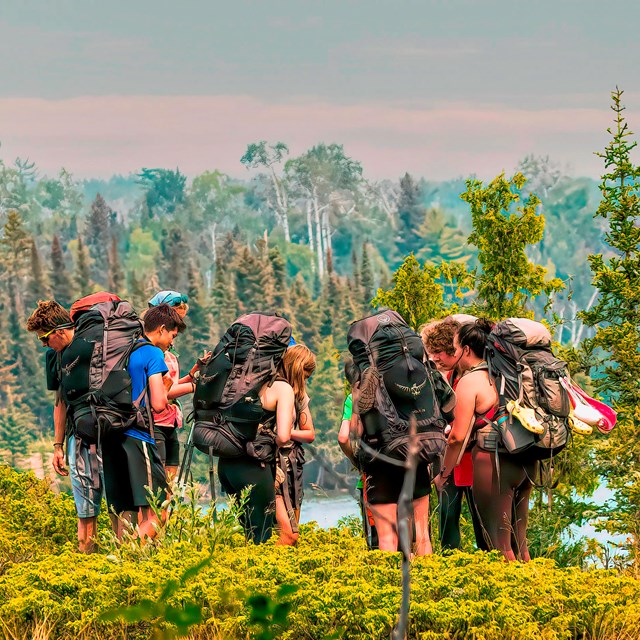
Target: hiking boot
column 526, row 417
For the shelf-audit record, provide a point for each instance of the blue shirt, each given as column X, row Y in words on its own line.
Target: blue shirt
column 144, row 362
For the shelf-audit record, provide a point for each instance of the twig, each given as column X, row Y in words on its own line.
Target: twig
column 405, row 512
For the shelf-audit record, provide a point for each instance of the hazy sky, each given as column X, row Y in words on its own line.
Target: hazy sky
column 440, row 89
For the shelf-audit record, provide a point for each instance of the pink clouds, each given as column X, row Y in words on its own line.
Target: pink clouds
column 99, row 136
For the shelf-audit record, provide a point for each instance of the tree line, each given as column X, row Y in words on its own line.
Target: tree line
column 313, row 238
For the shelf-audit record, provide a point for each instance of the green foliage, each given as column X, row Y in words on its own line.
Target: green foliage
column 508, row 280
column 238, row 590
column 415, row 295
column 616, row 317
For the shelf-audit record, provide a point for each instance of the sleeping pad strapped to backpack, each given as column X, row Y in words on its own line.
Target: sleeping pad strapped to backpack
column 394, row 385
column 95, row 383
column 527, row 375
column 227, row 408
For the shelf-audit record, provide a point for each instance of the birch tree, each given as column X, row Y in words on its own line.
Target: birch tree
column 268, row 156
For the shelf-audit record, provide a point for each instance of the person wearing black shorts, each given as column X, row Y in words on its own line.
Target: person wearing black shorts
column 132, row 464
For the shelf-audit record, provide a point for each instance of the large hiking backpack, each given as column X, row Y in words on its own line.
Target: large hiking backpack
column 227, row 408
column 524, row 369
column 94, row 377
column 395, row 384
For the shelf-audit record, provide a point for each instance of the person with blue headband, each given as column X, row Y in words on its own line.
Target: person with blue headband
column 168, row 422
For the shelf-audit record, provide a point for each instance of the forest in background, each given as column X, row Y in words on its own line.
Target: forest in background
column 314, row 239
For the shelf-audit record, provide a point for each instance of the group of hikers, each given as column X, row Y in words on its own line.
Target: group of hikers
column 471, row 406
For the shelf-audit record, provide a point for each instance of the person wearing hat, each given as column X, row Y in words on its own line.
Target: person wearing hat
column 167, row 422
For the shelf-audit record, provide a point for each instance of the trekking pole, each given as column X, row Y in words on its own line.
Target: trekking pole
column 212, row 484
column 185, row 465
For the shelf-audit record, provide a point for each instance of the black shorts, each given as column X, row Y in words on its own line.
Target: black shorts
column 130, row 466
column 168, row 444
column 383, row 482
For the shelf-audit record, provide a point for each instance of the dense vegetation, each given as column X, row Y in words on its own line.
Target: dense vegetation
column 335, row 588
column 311, row 237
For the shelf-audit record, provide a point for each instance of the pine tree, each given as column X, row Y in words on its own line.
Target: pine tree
column 367, row 278
column 16, row 432
column 15, row 253
column 97, row 238
column 38, row 288
column 196, row 339
column 116, row 279
column 305, row 318
column 82, row 275
column 616, row 317
column 410, row 215
column 326, row 391
column 280, row 295
column 442, row 239
column 224, row 302
column 59, row 278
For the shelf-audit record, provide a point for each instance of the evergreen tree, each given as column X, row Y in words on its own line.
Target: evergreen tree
column 616, row 317
column 16, row 432
column 305, row 319
column 367, row 278
column 410, row 215
column 59, row 278
column 38, row 287
column 508, row 280
column 223, row 298
column 97, row 239
column 196, row 339
column 82, row 275
column 326, row 391
column 15, row 253
column 441, row 239
column 415, row 295
column 280, row 294
column 116, row 279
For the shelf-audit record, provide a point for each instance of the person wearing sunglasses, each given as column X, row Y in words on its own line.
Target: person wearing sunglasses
column 53, row 327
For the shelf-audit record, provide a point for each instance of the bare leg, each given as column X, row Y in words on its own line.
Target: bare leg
column 119, row 521
column 87, row 530
column 148, row 522
column 283, row 522
column 171, row 473
column 421, row 520
column 385, row 517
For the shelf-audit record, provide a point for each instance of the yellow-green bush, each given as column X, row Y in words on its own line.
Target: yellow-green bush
column 341, row 588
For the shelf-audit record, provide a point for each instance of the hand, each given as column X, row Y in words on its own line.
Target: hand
column 58, row 462
column 439, row 481
column 200, row 362
column 168, row 382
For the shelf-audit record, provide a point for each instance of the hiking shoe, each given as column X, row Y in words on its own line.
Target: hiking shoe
column 526, row 417
column 578, row 426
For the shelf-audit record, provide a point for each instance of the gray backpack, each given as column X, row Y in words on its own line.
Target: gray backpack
column 524, row 369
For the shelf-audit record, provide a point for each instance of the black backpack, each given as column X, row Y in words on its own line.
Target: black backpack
column 227, row 409
column 525, row 371
column 95, row 383
column 395, row 384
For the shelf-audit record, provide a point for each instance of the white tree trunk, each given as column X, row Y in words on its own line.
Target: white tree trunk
column 319, row 239
column 310, row 227
column 282, row 204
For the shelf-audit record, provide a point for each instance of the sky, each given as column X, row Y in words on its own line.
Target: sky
column 438, row 88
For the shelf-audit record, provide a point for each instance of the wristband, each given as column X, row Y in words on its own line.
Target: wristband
column 58, row 444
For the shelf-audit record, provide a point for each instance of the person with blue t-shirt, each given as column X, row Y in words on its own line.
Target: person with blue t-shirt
column 132, row 465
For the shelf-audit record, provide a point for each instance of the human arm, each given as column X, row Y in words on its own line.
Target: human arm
column 59, row 428
column 464, row 415
column 200, row 362
column 157, row 393
column 180, row 389
column 285, row 408
column 305, row 431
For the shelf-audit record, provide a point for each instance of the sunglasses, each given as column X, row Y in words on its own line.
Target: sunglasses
column 44, row 338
